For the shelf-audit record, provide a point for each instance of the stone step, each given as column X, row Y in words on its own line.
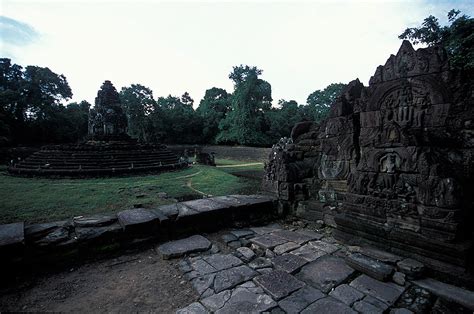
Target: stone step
column 370, row 266
column 449, row 292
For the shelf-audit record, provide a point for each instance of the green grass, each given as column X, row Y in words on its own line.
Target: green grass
column 40, row 200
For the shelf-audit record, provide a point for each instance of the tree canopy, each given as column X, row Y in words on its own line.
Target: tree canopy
column 457, row 37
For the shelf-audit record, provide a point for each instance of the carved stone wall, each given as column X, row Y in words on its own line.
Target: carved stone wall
column 393, row 162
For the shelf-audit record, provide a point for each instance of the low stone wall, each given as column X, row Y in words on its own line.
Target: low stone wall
column 227, row 152
column 48, row 243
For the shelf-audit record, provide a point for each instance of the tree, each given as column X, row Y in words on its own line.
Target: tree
column 319, row 102
column 282, row 120
column 212, row 109
column 138, row 103
column 245, row 124
column 457, row 37
column 30, row 97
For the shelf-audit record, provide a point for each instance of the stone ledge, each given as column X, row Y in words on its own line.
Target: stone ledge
column 75, row 238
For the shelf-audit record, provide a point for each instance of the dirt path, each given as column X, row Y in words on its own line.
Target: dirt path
column 139, row 281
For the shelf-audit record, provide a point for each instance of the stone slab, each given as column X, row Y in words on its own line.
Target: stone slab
column 383, row 256
column 293, row 236
column 366, row 308
column 229, row 278
column 242, row 233
column 222, row 261
column 346, row 294
column 264, row 230
column 328, row 305
column 95, row 221
column 324, row 246
column 246, row 253
column 268, row 241
column 386, row 292
column 370, row 266
column 308, row 252
column 244, row 301
column 311, row 233
column 412, row 268
column 195, row 243
column 135, row 217
column 289, row 262
column 12, row 234
column 300, row 299
column 449, row 292
column 278, row 284
column 325, row 273
column 260, row 262
column 201, row 267
column 285, row 247
column 205, row 205
column 217, row 301
column 193, row 308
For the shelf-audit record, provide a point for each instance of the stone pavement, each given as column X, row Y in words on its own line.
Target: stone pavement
column 295, row 270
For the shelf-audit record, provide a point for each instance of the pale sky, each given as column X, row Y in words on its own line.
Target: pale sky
column 178, row 46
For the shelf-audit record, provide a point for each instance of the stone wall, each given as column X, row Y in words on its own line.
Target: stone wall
column 392, row 164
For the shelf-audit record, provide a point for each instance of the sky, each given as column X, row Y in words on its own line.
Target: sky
column 178, row 46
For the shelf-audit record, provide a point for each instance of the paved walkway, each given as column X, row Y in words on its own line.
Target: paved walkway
column 277, row 270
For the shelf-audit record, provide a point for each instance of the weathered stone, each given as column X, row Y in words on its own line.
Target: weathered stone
column 400, row 311
column 324, row 246
column 205, row 205
column 12, row 234
column 311, row 233
column 269, row 253
column 300, row 299
column 217, row 301
column 97, row 233
column 229, row 238
column 278, row 284
column 376, row 302
column 448, row 292
column 369, row 266
column 289, row 262
column 285, row 247
column 399, row 278
column 247, row 254
column 193, row 308
column 234, row 244
column 95, row 221
column 308, row 252
column 384, row 291
column 244, row 301
column 229, row 278
column 268, row 241
column 195, row 243
column 242, row 233
column 299, row 238
column 380, row 255
column 221, row 261
column 202, row 267
column 412, row 268
column 137, row 218
column 346, row 294
column 203, row 283
column 260, row 262
column 328, row 305
column 366, row 308
column 325, row 273
column 264, row 230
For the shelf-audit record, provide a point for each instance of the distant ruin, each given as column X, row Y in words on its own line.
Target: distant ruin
column 108, row 150
column 392, row 165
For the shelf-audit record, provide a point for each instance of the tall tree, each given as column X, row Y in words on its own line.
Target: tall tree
column 245, row 124
column 457, row 37
column 212, row 109
column 138, row 103
column 282, row 119
column 320, row 101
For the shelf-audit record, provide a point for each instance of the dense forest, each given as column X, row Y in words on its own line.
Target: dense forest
column 32, row 110
column 32, row 98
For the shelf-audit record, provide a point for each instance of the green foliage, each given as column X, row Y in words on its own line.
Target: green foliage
column 457, row 37
column 282, row 120
column 245, row 124
column 319, row 102
column 138, row 103
column 30, row 105
column 212, row 109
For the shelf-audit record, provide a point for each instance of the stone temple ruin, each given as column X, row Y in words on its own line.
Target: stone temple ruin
column 392, row 164
column 107, row 151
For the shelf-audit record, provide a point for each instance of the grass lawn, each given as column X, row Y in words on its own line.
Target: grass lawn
column 41, row 200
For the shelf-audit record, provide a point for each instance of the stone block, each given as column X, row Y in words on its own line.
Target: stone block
column 268, row 241
column 370, row 266
column 325, row 273
column 412, row 268
column 383, row 291
column 346, row 294
column 173, row 249
column 300, row 299
column 193, row 308
column 328, row 305
column 308, row 252
column 285, row 247
column 278, row 284
column 293, row 236
column 244, row 301
column 289, row 262
column 449, row 292
column 139, row 219
column 229, row 278
column 12, row 234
